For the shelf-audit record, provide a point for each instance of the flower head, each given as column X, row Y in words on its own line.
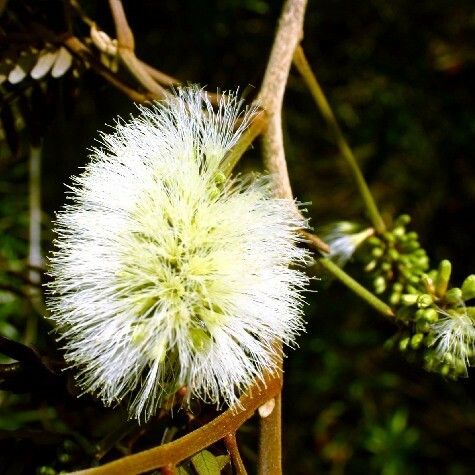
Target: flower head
column 166, row 273
column 454, row 337
column 344, row 237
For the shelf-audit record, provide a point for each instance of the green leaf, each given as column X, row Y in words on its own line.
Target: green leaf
column 223, row 460
column 205, row 463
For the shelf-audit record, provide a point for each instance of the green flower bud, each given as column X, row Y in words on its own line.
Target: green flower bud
column 448, row 358
column 399, row 231
column 422, row 326
column 424, row 300
column 379, row 284
column 370, row 266
column 445, row 370
column 64, row 458
column 443, row 277
column 389, row 237
column 403, row 220
column 386, row 266
column 430, row 315
column 46, row 470
column 398, row 287
column 468, row 287
column 393, row 254
column 412, row 290
column 414, row 279
column 409, row 299
column 394, row 298
column 375, row 241
column 420, row 314
column 429, row 340
column 454, row 295
column 416, row 340
column 377, row 252
column 403, row 344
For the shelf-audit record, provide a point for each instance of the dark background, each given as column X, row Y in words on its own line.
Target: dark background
column 400, row 76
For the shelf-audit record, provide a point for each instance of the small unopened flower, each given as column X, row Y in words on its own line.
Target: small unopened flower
column 344, row 238
column 454, row 336
column 167, row 273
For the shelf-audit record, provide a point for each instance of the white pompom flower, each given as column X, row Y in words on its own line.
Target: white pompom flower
column 165, row 273
column 454, row 336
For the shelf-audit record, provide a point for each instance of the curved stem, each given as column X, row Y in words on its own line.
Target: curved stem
column 255, row 128
column 192, row 443
column 311, row 81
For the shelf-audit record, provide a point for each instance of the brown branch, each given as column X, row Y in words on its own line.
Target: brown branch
column 125, row 48
column 134, row 66
column 124, row 34
column 233, row 449
column 192, row 443
column 79, row 49
column 313, row 241
column 270, row 98
column 159, row 76
column 271, row 95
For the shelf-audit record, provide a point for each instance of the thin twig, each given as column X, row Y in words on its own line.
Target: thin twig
column 311, row 81
column 233, row 449
column 314, row 241
column 169, row 81
column 356, row 287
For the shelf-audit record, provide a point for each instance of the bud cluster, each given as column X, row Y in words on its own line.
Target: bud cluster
column 394, row 260
column 436, row 323
column 439, row 323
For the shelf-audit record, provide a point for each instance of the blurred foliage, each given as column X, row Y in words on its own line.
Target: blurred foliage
column 400, row 76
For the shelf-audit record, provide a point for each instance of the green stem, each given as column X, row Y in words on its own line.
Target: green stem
column 301, row 63
column 357, row 288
